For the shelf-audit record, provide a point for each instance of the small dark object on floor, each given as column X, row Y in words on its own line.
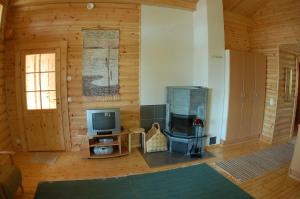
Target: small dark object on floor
column 196, row 155
column 196, row 152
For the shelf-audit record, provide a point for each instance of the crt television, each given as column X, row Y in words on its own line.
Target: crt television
column 103, row 121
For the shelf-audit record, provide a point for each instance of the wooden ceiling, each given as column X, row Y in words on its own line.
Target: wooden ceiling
column 243, row 7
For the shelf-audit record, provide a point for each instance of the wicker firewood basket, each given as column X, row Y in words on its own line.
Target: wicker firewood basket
column 155, row 139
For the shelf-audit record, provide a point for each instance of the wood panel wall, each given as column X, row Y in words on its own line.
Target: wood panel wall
column 64, row 22
column 237, row 31
column 5, row 137
column 277, row 22
column 285, row 106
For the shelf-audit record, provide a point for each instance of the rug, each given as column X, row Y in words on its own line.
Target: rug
column 44, row 158
column 164, row 158
column 257, row 164
column 198, row 181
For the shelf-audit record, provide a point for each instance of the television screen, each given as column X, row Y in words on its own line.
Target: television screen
column 103, row 121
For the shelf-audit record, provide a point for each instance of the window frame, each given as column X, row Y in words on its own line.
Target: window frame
column 24, row 90
column 4, row 3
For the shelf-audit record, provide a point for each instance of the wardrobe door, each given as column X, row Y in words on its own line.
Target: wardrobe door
column 260, row 70
column 235, row 95
column 247, row 97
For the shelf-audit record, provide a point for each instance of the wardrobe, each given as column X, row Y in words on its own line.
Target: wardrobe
column 245, row 96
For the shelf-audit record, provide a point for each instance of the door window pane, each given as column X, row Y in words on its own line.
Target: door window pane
column 32, row 82
column 33, row 100
column 48, row 81
column 47, row 62
column 48, row 99
column 1, row 14
column 32, row 63
column 40, row 81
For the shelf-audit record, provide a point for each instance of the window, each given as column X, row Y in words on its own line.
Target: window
column 1, row 13
column 40, row 81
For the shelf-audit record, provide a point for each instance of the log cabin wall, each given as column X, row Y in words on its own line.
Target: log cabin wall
column 285, row 107
column 267, row 26
column 237, row 31
column 5, row 137
column 277, row 22
column 64, row 21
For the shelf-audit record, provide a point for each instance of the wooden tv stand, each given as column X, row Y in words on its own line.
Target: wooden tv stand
column 120, row 149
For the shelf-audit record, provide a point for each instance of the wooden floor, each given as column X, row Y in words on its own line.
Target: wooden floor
column 70, row 165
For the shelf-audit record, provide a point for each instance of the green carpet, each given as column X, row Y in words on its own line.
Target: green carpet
column 199, row 181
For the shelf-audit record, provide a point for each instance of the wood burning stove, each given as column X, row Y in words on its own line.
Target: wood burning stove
column 184, row 105
column 182, row 125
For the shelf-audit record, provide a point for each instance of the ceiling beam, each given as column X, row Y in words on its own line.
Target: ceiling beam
column 182, row 4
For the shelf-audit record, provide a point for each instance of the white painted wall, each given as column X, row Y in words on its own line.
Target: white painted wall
column 180, row 48
column 216, row 63
column 201, row 45
column 209, row 59
column 167, row 49
column 226, row 95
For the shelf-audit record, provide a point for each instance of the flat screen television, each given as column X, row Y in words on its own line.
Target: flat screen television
column 103, row 121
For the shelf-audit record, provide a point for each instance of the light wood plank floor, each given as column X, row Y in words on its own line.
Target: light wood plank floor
column 70, row 165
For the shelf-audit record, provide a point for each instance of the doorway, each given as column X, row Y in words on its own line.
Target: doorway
column 297, row 105
column 42, row 97
column 288, row 86
column 41, row 100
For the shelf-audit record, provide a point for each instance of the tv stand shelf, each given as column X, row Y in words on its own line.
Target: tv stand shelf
column 114, row 143
column 119, row 148
column 114, row 154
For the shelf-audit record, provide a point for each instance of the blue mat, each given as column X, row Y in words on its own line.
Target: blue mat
column 199, row 181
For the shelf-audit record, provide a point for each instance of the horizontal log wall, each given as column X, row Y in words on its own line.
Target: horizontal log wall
column 5, row 138
column 285, row 105
column 277, row 22
column 65, row 21
column 5, row 133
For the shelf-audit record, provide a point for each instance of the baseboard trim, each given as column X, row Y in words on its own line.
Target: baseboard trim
column 240, row 140
column 294, row 174
column 266, row 139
